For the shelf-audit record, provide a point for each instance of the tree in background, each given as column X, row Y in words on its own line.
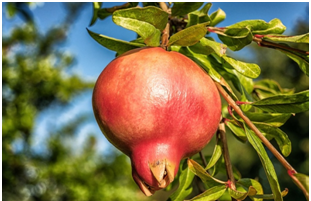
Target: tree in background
column 36, row 76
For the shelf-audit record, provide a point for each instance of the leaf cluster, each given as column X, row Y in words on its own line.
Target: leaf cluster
column 264, row 101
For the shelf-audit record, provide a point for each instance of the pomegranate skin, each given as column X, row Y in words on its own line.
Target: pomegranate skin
column 157, row 107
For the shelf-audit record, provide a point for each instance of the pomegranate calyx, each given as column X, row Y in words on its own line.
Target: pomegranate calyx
column 163, row 172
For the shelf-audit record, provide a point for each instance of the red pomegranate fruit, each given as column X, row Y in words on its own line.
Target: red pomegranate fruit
column 157, row 107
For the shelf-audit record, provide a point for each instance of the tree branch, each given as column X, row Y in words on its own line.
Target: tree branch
column 166, row 31
column 264, row 140
column 221, row 134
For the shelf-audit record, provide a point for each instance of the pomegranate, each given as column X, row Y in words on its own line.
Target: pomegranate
column 157, row 107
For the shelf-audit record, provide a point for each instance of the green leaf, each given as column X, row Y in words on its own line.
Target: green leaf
column 202, row 60
column 275, row 26
column 280, row 137
column 238, row 195
column 295, row 103
column 236, row 38
column 273, row 119
column 199, row 16
column 236, row 130
column 211, row 194
column 246, row 183
column 217, row 17
column 183, row 8
column 147, row 22
column 185, row 180
column 304, row 179
column 201, row 172
column 215, row 156
column 96, row 7
column 152, row 15
column 188, row 36
column 272, row 87
column 218, row 48
column 113, row 44
column 301, row 60
column 268, row 196
column 266, row 163
column 304, row 38
column 247, row 69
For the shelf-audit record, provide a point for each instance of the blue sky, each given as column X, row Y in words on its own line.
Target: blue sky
column 92, row 58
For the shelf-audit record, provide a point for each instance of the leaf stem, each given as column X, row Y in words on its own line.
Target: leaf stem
column 203, row 159
column 166, row 31
column 264, row 140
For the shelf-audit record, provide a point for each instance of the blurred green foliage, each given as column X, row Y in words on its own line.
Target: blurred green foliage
column 36, row 76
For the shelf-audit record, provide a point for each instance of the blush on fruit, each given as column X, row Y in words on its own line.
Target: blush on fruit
column 157, row 107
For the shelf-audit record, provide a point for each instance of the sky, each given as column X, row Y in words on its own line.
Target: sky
column 92, row 57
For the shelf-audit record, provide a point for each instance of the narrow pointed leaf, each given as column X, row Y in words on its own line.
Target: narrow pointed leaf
column 236, row 38
column 113, row 44
column 304, row 179
column 275, row 26
column 247, row 69
column 217, row 17
column 266, row 163
column 215, row 156
column 183, row 8
column 273, row 119
column 301, row 60
column 185, row 180
column 295, row 103
column 96, row 7
column 238, row 195
column 189, row 36
column 237, row 130
column 280, row 137
column 201, row 172
column 211, row 194
column 268, row 196
column 304, row 38
column 246, row 183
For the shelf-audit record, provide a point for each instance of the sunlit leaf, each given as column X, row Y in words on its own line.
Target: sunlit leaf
column 268, row 196
column 295, row 103
column 113, row 44
column 206, row 178
column 147, row 22
column 185, row 180
column 247, row 69
column 199, row 16
column 275, row 26
column 238, row 195
column 215, row 156
column 217, row 17
column 304, row 180
column 236, row 38
column 219, row 48
column 96, row 7
column 273, row 119
column 183, row 8
column 301, row 60
column 304, row 38
column 188, row 36
column 237, row 130
column 211, row 194
column 266, row 163
column 280, row 137
column 246, row 183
